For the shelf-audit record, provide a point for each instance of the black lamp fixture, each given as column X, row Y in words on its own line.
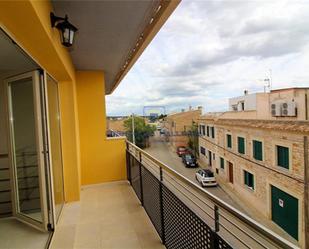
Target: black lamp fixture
column 67, row 30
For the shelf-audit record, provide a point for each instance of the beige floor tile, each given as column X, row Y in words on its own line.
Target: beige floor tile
column 64, row 237
column 88, row 236
column 127, row 240
column 108, row 216
column 17, row 235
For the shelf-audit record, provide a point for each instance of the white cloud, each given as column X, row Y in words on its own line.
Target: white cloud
column 209, row 51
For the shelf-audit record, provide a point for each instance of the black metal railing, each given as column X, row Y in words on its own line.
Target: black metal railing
column 112, row 133
column 188, row 216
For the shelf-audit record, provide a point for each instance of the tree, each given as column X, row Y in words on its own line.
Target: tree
column 192, row 133
column 142, row 131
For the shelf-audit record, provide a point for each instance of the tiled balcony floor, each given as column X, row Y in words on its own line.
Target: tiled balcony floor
column 108, row 216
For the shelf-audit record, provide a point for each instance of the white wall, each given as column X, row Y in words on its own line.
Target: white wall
column 249, row 100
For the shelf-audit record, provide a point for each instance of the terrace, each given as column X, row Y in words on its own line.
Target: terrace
column 157, row 207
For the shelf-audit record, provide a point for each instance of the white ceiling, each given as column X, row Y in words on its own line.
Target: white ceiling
column 107, row 31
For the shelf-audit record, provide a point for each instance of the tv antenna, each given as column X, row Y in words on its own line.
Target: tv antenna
column 268, row 81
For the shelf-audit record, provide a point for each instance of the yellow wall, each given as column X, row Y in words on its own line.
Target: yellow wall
column 28, row 23
column 102, row 159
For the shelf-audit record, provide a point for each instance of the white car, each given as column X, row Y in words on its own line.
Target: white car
column 206, row 178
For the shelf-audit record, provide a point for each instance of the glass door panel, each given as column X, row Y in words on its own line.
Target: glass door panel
column 55, row 143
column 26, row 149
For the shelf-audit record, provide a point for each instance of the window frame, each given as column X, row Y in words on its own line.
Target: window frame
column 202, row 147
column 253, row 189
column 220, row 161
column 240, row 136
column 252, row 149
column 212, row 128
column 277, row 156
column 287, row 144
column 226, row 140
column 203, row 130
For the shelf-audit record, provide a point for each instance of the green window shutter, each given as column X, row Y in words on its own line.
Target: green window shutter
column 258, row 150
column 207, row 131
column 252, row 181
column 229, row 140
column 283, row 156
column 213, row 132
column 241, row 145
column 249, row 179
column 246, row 177
column 221, row 163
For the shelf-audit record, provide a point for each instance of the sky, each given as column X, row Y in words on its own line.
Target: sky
column 209, row 51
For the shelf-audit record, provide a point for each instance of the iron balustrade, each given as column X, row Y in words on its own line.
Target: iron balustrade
column 112, row 133
column 188, row 216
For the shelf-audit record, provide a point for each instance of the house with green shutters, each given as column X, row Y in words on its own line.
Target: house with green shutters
column 261, row 163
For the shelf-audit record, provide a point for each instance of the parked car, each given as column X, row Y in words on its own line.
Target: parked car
column 181, row 150
column 189, row 160
column 206, row 178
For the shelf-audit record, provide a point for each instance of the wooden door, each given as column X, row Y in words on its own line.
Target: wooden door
column 231, row 176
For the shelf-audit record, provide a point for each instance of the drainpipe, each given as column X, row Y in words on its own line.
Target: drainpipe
column 306, row 191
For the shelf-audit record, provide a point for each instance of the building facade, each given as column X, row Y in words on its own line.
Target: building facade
column 178, row 124
column 261, row 162
column 279, row 104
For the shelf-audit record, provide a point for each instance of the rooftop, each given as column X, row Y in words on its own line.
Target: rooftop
column 283, row 125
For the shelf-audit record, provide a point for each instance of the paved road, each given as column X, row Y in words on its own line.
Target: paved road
column 160, row 150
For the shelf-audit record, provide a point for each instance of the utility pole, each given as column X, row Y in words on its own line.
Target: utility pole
column 133, row 129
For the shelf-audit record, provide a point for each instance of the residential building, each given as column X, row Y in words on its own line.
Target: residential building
column 63, row 183
column 279, row 104
column 261, row 161
column 177, row 124
column 116, row 125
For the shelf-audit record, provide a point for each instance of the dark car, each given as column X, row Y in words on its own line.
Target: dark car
column 189, row 160
column 181, row 150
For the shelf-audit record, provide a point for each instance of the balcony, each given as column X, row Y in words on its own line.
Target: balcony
column 108, row 216
column 181, row 214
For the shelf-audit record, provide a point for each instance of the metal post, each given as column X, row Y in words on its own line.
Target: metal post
column 306, row 191
column 141, row 178
column 216, row 218
column 128, row 159
column 133, row 129
column 161, row 206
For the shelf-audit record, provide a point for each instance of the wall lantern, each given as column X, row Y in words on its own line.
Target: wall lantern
column 67, row 30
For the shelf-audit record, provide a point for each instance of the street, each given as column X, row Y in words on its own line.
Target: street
column 163, row 152
column 160, row 150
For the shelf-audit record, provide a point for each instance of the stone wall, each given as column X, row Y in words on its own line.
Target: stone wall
column 266, row 172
